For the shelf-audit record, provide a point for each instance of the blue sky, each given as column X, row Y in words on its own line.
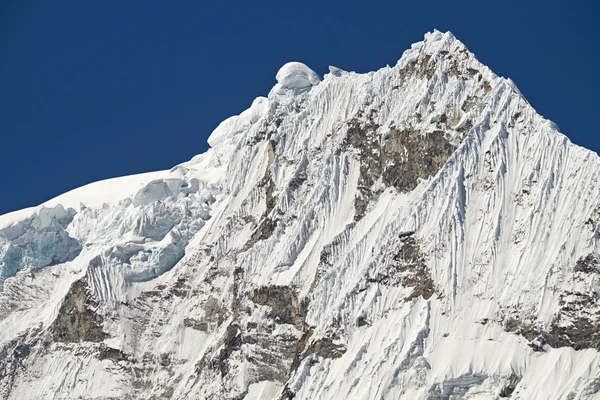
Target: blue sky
column 93, row 90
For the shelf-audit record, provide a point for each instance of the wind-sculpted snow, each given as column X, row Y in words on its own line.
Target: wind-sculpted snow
column 417, row 232
column 295, row 75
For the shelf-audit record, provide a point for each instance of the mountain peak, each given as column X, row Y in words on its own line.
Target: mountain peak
column 415, row 232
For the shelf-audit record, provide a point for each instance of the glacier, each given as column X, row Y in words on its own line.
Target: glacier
column 417, row 232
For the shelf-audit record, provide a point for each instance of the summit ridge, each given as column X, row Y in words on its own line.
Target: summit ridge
column 416, row 232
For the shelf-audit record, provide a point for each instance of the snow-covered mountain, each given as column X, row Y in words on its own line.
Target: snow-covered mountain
column 418, row 232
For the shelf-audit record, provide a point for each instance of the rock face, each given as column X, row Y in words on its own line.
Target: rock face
column 418, row 232
column 76, row 320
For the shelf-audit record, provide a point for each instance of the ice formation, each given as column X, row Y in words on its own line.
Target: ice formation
column 335, row 71
column 295, row 75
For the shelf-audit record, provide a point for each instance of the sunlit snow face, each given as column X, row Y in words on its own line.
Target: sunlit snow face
column 397, row 234
column 295, row 75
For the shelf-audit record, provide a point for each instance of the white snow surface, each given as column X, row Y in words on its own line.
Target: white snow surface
column 295, row 75
column 176, row 263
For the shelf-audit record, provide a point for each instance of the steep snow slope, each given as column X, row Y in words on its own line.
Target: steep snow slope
column 418, row 232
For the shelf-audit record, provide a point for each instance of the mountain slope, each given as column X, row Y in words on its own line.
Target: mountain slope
column 418, row 232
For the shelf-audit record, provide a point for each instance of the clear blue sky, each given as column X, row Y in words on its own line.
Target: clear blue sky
column 96, row 89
